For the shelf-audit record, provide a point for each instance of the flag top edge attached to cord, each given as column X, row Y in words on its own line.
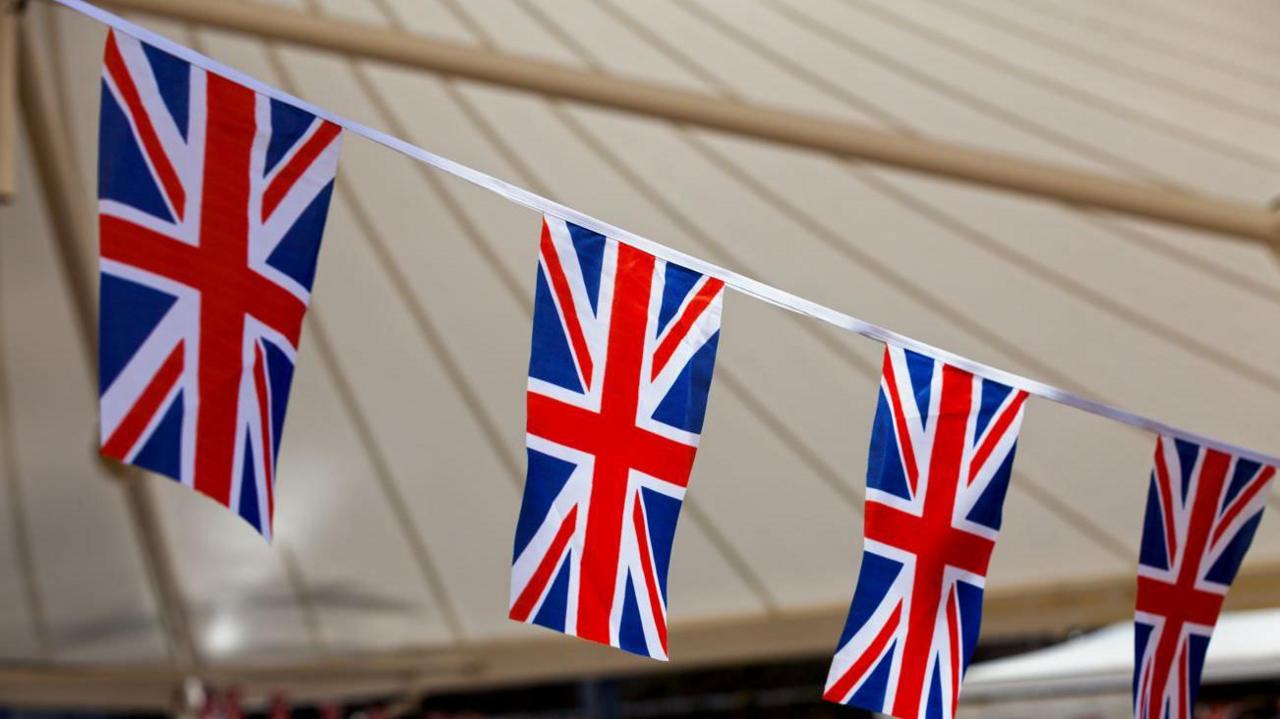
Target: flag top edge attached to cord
column 743, row 284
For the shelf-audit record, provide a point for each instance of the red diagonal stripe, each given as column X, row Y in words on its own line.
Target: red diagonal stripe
column 297, row 165
column 264, row 420
column 1165, row 488
column 995, row 434
column 836, row 692
column 119, row 72
column 560, row 286
column 900, row 422
column 144, row 409
column 1145, row 688
column 953, row 635
column 274, row 306
column 680, row 327
column 1241, row 501
column 542, row 575
column 650, row 577
column 1183, row 694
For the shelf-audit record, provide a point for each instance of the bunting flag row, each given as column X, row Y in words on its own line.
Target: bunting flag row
column 213, row 197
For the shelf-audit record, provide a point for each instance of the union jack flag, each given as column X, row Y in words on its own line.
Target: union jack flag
column 1203, row 509
column 212, row 201
column 942, row 449
column 624, row 346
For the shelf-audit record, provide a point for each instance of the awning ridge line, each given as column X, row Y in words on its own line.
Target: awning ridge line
column 742, row 283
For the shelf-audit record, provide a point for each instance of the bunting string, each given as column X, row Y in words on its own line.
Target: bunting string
column 741, row 283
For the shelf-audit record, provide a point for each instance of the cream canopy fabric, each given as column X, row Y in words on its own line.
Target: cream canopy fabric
column 1243, row 649
column 1092, row 675
column 402, row 460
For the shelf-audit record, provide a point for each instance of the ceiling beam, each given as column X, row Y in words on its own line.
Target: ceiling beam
column 934, row 157
column 66, row 207
column 8, row 101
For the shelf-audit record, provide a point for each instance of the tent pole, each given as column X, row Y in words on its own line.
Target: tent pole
column 67, row 211
column 944, row 159
column 9, row 10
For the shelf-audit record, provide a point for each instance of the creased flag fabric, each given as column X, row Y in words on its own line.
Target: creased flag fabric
column 212, row 202
column 624, row 347
column 942, row 447
column 1203, row 509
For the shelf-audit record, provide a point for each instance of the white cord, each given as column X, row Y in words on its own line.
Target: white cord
column 741, row 283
